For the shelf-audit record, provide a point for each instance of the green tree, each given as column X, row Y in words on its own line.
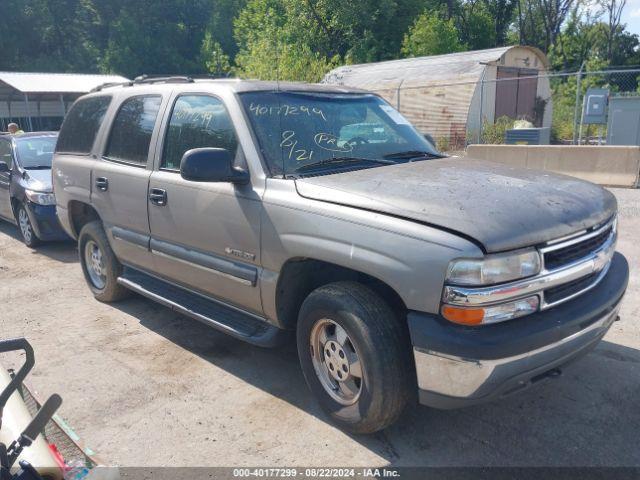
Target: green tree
column 502, row 13
column 46, row 35
column 157, row 37
column 586, row 38
column 475, row 25
column 321, row 32
column 213, row 56
column 220, row 25
column 272, row 48
column 268, row 59
column 431, row 34
column 540, row 21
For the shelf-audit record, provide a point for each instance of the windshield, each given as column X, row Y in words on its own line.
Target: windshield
column 299, row 131
column 35, row 152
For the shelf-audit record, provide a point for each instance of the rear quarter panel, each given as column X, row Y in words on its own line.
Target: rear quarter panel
column 71, row 176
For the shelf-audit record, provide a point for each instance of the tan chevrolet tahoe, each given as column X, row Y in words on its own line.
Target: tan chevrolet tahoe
column 270, row 210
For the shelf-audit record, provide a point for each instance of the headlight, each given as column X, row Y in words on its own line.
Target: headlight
column 41, row 198
column 493, row 269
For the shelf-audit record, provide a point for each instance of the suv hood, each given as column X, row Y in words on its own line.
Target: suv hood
column 38, row 180
column 501, row 207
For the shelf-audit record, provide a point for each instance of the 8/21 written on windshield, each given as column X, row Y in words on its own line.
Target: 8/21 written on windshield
column 325, row 141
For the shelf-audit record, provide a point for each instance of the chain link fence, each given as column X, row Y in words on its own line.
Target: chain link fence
column 457, row 113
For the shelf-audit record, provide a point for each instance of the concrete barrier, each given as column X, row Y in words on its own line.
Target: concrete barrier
column 614, row 166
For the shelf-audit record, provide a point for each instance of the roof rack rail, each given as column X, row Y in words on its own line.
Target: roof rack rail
column 110, row 84
column 211, row 76
column 162, row 79
column 145, row 79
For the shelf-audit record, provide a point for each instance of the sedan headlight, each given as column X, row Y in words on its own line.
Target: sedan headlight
column 41, row 198
column 492, row 269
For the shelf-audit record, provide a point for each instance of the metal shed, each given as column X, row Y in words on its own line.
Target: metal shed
column 39, row 101
column 450, row 96
column 624, row 121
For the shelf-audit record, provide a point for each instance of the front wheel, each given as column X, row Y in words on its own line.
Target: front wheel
column 99, row 264
column 29, row 236
column 355, row 356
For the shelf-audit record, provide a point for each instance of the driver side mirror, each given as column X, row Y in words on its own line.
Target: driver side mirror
column 211, row 165
column 4, row 167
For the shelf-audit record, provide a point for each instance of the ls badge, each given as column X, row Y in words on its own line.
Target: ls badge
column 240, row 254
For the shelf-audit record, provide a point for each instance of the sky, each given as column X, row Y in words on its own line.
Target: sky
column 631, row 16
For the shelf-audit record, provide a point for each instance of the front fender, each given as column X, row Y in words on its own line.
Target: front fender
column 409, row 257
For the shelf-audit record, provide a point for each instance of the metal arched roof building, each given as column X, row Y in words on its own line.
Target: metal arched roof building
column 448, row 96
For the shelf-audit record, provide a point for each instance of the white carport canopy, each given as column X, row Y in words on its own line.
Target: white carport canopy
column 28, row 95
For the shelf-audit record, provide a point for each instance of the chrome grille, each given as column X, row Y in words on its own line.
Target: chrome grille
column 554, row 259
column 553, row 295
column 596, row 246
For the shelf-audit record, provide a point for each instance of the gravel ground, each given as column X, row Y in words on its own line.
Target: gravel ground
column 146, row 387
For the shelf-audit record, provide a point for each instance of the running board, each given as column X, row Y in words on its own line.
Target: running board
column 227, row 319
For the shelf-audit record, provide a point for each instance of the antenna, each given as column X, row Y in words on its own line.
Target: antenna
column 277, row 60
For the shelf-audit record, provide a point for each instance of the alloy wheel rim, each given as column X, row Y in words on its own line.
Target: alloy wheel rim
column 336, row 361
column 25, row 226
column 95, row 265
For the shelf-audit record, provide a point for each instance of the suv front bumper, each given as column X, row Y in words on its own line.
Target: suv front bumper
column 458, row 366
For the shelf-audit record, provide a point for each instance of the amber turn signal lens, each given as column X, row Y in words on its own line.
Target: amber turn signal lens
column 463, row 316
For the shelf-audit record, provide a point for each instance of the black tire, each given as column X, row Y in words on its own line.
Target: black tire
column 382, row 345
column 26, row 230
column 111, row 291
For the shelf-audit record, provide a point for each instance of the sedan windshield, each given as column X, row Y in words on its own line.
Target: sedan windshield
column 301, row 133
column 35, row 152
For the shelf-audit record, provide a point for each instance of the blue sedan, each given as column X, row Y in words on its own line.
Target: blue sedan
column 26, row 192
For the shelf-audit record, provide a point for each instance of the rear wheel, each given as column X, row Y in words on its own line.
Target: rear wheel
column 355, row 356
column 26, row 229
column 99, row 264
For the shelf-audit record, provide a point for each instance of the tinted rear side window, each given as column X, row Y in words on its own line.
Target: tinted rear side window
column 81, row 125
column 132, row 129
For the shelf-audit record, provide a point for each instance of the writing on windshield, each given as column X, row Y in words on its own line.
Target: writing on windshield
column 296, row 130
column 285, row 110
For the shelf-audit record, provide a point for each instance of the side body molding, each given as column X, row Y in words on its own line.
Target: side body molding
column 234, row 270
column 139, row 239
column 237, row 271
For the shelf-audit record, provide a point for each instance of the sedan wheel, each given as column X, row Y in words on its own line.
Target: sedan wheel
column 26, row 229
column 25, row 225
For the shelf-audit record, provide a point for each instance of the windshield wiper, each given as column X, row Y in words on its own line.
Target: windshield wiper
column 338, row 160
column 38, row 167
column 411, row 154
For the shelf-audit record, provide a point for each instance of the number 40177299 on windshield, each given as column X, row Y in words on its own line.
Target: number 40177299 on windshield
column 285, row 110
column 289, row 142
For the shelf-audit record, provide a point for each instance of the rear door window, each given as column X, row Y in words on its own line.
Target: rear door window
column 81, row 125
column 132, row 129
column 197, row 121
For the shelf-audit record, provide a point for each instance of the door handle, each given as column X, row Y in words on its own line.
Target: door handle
column 158, row 196
column 102, row 184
